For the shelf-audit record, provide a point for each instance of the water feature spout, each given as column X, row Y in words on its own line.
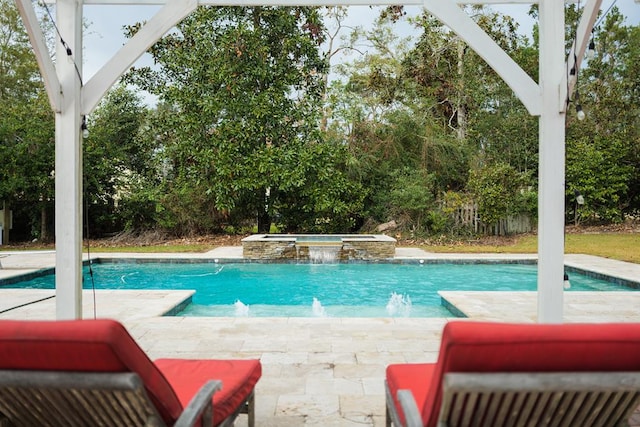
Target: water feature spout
column 324, row 254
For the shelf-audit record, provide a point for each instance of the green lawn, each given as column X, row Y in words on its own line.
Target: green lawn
column 621, row 246
column 162, row 248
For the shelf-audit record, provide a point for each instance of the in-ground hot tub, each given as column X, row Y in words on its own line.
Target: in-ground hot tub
column 318, row 247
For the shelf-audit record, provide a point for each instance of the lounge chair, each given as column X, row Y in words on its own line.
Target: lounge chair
column 498, row 374
column 93, row 373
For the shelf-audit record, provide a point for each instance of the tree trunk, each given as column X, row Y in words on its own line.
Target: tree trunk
column 461, row 107
column 6, row 220
column 264, row 220
column 44, row 233
column 324, row 120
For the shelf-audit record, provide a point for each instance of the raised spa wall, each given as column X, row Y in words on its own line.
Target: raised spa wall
column 292, row 247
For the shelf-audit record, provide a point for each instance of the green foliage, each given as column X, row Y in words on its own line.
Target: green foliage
column 411, row 196
column 26, row 127
column 328, row 202
column 603, row 151
column 498, row 190
column 597, row 169
column 116, row 158
column 244, row 88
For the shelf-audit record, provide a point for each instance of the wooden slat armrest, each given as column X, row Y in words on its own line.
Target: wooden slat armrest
column 200, row 404
column 543, row 381
column 68, row 380
column 410, row 408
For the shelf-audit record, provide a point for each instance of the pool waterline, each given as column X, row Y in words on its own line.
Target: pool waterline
column 334, row 305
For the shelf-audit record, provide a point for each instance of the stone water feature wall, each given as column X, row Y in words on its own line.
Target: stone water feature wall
column 339, row 248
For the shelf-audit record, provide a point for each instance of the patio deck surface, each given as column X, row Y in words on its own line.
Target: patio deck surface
column 316, row 371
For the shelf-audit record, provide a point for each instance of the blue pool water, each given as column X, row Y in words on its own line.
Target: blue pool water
column 339, row 290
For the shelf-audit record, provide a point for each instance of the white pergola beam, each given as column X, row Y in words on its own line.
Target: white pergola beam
column 43, row 57
column 466, row 28
column 166, row 18
column 583, row 34
column 303, row 2
column 551, row 164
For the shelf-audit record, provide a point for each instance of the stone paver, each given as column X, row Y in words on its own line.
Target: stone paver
column 522, row 306
column 316, row 371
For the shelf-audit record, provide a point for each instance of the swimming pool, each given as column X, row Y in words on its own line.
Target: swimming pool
column 305, row 290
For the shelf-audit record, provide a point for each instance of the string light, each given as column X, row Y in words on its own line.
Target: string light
column 66, row 47
column 83, row 127
column 580, row 114
column 591, row 50
column 70, row 58
column 574, row 70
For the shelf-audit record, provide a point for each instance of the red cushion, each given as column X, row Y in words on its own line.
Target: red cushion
column 238, row 377
column 409, row 377
column 84, row 346
column 503, row 347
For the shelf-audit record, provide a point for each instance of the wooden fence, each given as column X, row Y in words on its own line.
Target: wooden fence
column 467, row 216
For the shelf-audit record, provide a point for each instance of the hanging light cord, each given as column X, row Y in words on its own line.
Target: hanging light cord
column 67, row 48
column 89, row 260
column 574, row 69
column 604, row 14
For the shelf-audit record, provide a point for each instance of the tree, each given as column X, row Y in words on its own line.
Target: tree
column 26, row 128
column 603, row 151
column 383, row 115
column 336, row 43
column 500, row 191
column 245, row 87
column 116, row 156
column 411, row 196
column 466, row 96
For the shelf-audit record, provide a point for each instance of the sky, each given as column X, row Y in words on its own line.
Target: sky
column 104, row 35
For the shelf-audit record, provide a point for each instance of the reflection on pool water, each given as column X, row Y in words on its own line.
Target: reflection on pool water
column 306, row 290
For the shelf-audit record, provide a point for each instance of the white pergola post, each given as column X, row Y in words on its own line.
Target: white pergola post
column 68, row 163
column 551, row 162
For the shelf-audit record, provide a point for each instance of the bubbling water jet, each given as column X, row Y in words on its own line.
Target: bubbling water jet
column 241, row 309
column 317, row 309
column 399, row 304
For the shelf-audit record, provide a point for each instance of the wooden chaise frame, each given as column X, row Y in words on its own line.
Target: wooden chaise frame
column 53, row 398
column 567, row 399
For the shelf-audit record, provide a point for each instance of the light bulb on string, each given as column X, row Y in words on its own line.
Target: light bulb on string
column 83, row 127
column 591, row 50
column 580, row 112
column 68, row 51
